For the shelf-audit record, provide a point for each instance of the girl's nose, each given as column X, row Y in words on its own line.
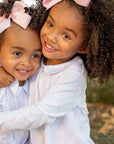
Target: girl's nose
column 53, row 37
column 26, row 62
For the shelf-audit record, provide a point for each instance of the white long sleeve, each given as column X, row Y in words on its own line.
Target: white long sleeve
column 57, row 102
column 57, row 111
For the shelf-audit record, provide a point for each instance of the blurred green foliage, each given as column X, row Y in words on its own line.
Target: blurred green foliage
column 100, row 94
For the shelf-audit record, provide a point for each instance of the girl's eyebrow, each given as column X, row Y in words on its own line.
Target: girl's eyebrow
column 72, row 31
column 21, row 48
column 51, row 17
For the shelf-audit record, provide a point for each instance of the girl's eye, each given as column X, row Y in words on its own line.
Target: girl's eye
column 50, row 24
column 35, row 56
column 66, row 36
column 17, row 53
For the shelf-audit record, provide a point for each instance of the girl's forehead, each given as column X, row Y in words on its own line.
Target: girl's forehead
column 64, row 13
column 65, row 9
column 18, row 36
column 13, row 28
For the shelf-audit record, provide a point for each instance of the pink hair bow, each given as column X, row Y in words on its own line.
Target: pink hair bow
column 84, row 3
column 18, row 15
column 49, row 3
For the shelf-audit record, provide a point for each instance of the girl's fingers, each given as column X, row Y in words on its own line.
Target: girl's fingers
column 10, row 79
column 5, row 83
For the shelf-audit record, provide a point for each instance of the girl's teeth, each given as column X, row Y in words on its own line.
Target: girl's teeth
column 49, row 46
column 22, row 71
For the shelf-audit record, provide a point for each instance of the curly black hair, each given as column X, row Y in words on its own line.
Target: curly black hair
column 99, row 32
column 38, row 13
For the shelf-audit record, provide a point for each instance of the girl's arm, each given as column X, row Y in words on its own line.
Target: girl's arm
column 58, row 101
column 5, row 78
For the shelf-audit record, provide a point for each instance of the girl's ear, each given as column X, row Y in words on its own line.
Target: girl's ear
column 82, row 51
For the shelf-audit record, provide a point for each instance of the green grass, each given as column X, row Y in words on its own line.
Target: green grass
column 97, row 94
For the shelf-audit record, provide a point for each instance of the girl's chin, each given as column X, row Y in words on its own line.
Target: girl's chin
column 21, row 79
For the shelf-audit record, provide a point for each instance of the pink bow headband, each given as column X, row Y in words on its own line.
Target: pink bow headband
column 18, row 15
column 49, row 3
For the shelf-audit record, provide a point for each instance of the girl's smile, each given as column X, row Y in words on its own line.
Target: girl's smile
column 49, row 48
column 23, row 72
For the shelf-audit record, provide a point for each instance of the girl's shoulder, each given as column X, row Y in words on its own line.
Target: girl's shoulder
column 77, row 64
column 70, row 71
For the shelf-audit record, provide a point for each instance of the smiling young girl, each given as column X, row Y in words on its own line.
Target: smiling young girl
column 19, row 57
column 76, row 37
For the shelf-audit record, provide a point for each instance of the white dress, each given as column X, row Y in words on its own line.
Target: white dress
column 12, row 98
column 57, row 112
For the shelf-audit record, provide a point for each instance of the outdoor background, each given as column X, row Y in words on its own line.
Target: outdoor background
column 100, row 102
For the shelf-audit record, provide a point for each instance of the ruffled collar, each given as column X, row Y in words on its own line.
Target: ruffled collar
column 53, row 69
column 15, row 86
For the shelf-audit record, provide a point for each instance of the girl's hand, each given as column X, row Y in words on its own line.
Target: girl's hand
column 5, row 78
